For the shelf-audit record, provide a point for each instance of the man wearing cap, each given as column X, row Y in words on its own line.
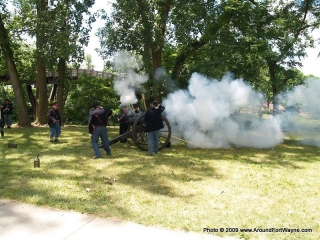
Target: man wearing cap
column 98, row 121
column 54, row 122
column 7, row 110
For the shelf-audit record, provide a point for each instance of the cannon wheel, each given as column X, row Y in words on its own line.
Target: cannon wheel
column 139, row 134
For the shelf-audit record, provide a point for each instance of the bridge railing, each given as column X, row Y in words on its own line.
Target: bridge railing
column 52, row 76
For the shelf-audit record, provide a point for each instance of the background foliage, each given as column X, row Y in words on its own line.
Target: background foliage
column 83, row 92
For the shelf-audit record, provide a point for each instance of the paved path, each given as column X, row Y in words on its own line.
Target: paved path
column 23, row 221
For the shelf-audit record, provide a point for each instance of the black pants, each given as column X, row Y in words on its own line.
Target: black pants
column 123, row 129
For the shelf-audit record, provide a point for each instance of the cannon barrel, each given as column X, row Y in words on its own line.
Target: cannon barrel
column 120, row 137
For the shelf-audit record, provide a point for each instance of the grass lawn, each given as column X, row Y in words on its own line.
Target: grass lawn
column 180, row 188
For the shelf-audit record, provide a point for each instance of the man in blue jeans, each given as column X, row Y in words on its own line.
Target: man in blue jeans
column 98, row 120
column 7, row 110
column 154, row 123
column 54, row 122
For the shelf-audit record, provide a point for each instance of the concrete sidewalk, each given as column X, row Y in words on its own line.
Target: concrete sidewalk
column 23, row 221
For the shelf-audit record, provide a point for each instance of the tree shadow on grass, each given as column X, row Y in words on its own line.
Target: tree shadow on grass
column 164, row 173
column 167, row 174
column 61, row 188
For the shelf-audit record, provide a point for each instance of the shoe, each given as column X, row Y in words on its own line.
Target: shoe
column 56, row 140
column 8, row 126
column 51, row 140
column 109, row 154
column 2, row 134
column 95, row 157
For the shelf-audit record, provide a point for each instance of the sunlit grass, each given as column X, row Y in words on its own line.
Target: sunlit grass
column 180, row 188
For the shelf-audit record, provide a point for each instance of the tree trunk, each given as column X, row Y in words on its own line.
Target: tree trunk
column 147, row 46
column 14, row 77
column 32, row 100
column 41, row 93
column 272, row 71
column 61, row 86
column 156, row 63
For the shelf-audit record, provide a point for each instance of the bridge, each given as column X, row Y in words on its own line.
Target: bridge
column 52, row 76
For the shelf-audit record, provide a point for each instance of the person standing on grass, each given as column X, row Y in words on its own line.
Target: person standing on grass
column 123, row 119
column 7, row 110
column 154, row 123
column 54, row 122
column 1, row 121
column 98, row 121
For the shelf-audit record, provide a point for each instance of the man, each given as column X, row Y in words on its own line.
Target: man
column 54, row 122
column 123, row 119
column 136, row 113
column 7, row 110
column 98, row 121
column 154, row 123
column 136, row 110
column 1, row 121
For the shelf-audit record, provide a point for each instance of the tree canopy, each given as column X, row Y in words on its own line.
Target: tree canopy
column 260, row 41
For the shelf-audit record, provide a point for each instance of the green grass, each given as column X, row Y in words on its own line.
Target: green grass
column 180, row 188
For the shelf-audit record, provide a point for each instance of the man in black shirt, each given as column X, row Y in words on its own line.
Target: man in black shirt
column 123, row 119
column 98, row 121
column 54, row 122
column 1, row 121
column 154, row 123
column 7, row 110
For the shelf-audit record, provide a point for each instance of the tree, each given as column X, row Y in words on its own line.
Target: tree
column 14, row 76
column 153, row 29
column 88, row 62
column 60, row 33
column 67, row 42
column 42, row 23
column 258, row 40
column 279, row 33
column 82, row 93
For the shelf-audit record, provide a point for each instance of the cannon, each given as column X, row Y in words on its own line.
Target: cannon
column 137, row 132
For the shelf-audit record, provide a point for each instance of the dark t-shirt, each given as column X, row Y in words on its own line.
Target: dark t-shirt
column 153, row 119
column 99, row 117
column 53, row 114
column 7, row 108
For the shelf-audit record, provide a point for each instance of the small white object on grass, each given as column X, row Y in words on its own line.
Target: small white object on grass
column 88, row 189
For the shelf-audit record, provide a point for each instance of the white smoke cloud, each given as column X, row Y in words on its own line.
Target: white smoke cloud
column 128, row 80
column 300, row 118
column 159, row 73
column 219, row 114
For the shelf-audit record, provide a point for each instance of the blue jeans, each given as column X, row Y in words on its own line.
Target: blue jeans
column 8, row 118
column 153, row 141
column 1, row 124
column 101, row 132
column 56, row 130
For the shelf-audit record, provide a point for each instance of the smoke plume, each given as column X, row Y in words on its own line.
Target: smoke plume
column 220, row 114
column 128, row 80
column 301, row 114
